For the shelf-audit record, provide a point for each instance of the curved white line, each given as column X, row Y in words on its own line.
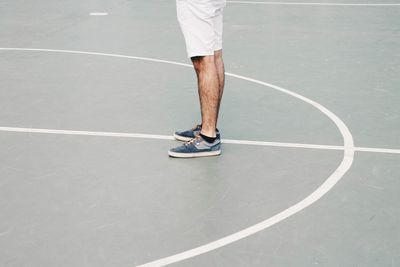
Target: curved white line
column 94, row 54
column 314, row 4
column 335, row 177
column 313, row 197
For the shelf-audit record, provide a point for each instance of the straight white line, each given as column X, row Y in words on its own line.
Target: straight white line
column 168, row 137
column 98, row 14
column 311, row 146
column 377, row 150
column 280, row 144
column 314, row 4
column 90, row 133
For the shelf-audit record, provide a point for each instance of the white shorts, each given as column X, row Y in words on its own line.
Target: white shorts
column 201, row 22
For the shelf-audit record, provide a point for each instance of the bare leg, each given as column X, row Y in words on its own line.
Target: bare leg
column 219, row 63
column 209, row 92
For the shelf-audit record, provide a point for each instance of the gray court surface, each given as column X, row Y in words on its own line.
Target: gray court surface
column 85, row 126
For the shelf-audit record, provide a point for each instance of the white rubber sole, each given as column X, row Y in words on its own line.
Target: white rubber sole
column 194, row 155
column 181, row 138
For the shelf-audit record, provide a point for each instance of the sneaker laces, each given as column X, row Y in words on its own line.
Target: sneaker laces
column 190, row 142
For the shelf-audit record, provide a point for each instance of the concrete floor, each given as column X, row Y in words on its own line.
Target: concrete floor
column 79, row 200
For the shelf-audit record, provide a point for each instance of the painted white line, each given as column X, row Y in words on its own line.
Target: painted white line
column 314, row 4
column 280, row 144
column 311, row 146
column 169, row 137
column 378, row 150
column 98, row 14
column 348, row 157
column 89, row 133
column 95, row 54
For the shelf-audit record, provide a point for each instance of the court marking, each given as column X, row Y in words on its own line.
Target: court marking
column 325, row 187
column 98, row 14
column 315, row 4
column 170, row 137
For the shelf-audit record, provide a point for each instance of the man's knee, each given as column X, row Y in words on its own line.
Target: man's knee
column 202, row 62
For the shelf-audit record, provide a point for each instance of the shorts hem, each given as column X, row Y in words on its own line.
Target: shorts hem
column 203, row 54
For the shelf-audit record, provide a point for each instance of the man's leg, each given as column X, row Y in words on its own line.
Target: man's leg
column 209, row 92
column 219, row 64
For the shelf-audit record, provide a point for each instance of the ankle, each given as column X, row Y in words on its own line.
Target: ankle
column 208, row 139
column 209, row 133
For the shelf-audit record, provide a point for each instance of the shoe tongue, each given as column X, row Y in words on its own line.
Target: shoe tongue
column 197, row 127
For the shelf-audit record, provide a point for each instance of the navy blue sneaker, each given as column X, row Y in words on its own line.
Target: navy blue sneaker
column 190, row 134
column 197, row 147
